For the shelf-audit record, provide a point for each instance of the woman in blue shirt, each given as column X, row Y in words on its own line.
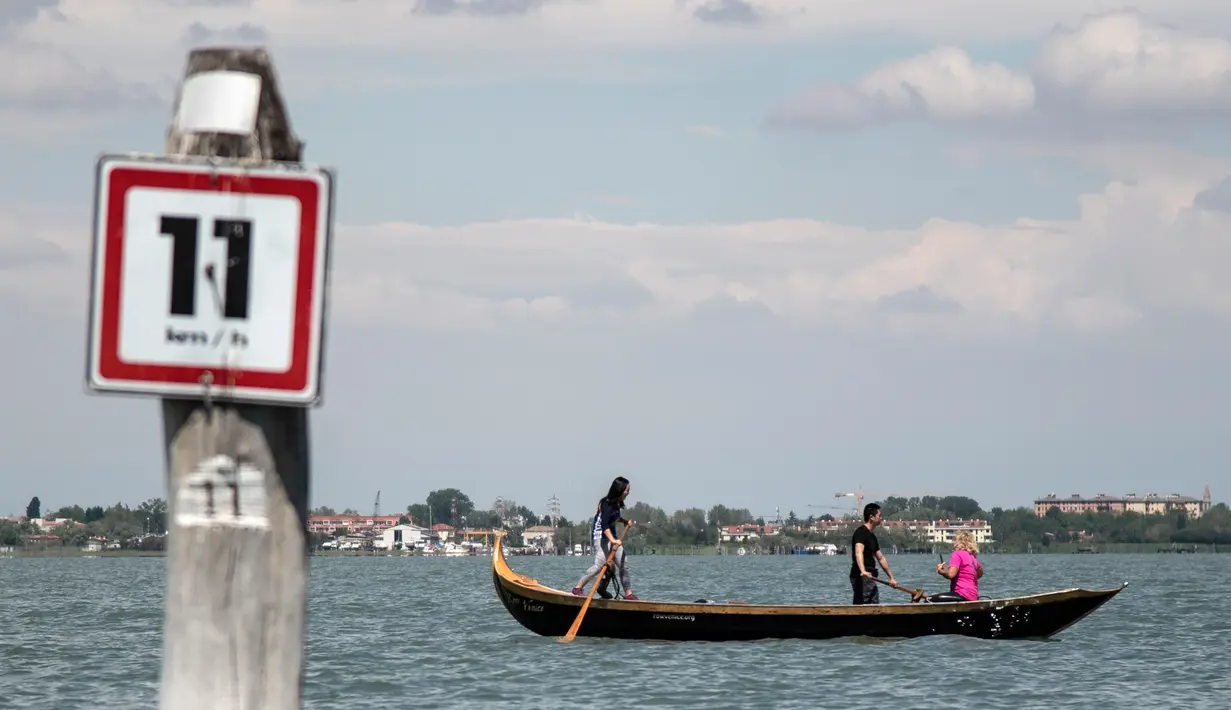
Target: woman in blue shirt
column 603, row 538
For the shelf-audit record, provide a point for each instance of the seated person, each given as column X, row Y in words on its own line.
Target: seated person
column 963, row 571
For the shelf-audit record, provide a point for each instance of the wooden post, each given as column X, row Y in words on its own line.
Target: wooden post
column 236, row 598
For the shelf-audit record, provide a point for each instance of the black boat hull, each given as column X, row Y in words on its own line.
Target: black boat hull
column 550, row 612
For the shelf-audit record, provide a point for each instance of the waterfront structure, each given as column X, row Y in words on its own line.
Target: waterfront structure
column 407, row 535
column 1149, row 504
column 935, row 531
column 944, row 531
column 43, row 524
column 358, row 524
column 539, row 536
column 747, row 531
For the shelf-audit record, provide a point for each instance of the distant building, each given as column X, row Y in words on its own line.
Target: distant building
column 43, row 524
column 399, row 537
column 747, row 531
column 360, row 524
column 1149, row 504
column 539, row 536
column 944, row 531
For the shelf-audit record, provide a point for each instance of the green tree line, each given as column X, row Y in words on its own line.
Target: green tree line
column 1014, row 529
column 1018, row 528
column 116, row 523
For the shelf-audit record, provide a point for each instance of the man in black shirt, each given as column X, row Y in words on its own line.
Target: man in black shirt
column 865, row 553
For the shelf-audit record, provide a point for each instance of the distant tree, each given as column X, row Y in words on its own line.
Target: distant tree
column 420, row 514
column 153, row 516
column 350, row 511
column 94, row 513
column 483, row 519
column 959, row 507
column 530, row 518
column 72, row 512
column 119, row 523
column 642, row 512
column 10, row 532
column 441, row 504
column 403, row 520
column 70, row 534
column 324, row 510
column 34, row 509
column 722, row 516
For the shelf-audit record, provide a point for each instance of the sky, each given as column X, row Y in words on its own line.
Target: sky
column 749, row 252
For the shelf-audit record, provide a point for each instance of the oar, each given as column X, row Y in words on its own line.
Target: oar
column 572, row 631
column 915, row 594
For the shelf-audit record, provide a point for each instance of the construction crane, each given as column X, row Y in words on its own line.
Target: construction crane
column 376, row 506
column 859, row 495
column 845, row 511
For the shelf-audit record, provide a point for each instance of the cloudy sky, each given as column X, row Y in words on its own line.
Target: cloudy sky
column 752, row 252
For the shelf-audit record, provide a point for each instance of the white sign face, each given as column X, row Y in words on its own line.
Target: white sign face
column 209, row 275
column 222, row 493
column 180, row 318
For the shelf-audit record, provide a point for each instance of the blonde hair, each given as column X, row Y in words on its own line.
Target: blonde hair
column 965, row 541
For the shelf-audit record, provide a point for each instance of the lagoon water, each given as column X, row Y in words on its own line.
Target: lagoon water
column 412, row 632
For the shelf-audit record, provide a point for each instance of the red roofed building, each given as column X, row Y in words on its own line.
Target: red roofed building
column 747, row 531
column 358, row 524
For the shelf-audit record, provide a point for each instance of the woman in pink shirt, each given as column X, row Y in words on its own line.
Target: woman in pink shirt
column 964, row 569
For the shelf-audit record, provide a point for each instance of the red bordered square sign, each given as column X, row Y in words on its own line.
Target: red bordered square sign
column 209, row 274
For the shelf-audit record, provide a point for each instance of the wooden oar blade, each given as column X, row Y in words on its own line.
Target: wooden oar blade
column 572, row 630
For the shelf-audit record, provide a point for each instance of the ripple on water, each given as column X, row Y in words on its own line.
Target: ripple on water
column 428, row 633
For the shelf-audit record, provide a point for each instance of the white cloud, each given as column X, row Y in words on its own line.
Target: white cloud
column 1115, row 63
column 41, row 77
column 1134, row 251
column 89, row 50
column 104, row 31
column 1123, row 62
column 944, row 84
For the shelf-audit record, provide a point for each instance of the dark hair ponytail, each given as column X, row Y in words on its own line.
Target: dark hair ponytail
column 618, row 486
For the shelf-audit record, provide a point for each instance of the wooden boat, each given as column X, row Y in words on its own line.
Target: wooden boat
column 550, row 612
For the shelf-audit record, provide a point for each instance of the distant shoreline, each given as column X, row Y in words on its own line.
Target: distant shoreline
column 1144, row 548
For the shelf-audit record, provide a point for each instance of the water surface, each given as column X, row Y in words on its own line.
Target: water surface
column 407, row 632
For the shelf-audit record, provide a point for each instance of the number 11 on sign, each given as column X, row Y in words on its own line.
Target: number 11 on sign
column 183, row 233
column 251, row 241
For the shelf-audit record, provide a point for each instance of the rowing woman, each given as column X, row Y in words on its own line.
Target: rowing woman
column 604, row 540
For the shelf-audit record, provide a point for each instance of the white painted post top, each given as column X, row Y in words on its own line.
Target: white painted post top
column 219, row 102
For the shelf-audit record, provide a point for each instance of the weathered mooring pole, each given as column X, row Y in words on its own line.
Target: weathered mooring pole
column 236, row 605
column 209, row 291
